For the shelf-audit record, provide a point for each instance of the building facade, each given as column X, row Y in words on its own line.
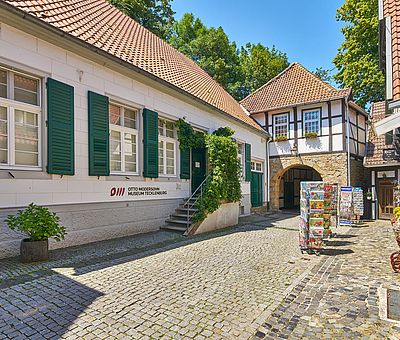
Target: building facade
column 88, row 102
column 318, row 132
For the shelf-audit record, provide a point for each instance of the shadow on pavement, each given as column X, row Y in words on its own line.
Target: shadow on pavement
column 334, row 251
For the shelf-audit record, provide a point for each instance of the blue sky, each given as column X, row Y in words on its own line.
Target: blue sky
column 306, row 30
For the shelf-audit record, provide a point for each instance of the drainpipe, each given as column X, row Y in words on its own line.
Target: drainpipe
column 347, row 115
column 268, row 176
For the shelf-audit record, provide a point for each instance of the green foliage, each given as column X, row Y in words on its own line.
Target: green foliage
column 239, row 71
column 156, row 15
column 396, row 212
column 188, row 138
column 224, row 132
column 280, row 138
column 311, row 135
column 224, row 183
column 258, row 65
column 358, row 58
column 38, row 223
column 324, row 75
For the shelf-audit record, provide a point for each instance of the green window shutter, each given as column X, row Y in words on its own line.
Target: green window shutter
column 60, row 128
column 247, row 156
column 150, row 143
column 185, row 164
column 99, row 136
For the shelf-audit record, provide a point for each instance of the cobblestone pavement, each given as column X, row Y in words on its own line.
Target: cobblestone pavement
column 220, row 285
column 339, row 298
column 245, row 282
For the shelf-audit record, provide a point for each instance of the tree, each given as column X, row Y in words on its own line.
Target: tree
column 239, row 71
column 210, row 48
column 155, row 15
column 324, row 74
column 259, row 64
column 358, row 58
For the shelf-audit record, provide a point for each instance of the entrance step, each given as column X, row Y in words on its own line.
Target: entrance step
column 174, row 227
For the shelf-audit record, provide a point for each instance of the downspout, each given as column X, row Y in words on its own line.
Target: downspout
column 347, row 115
column 268, row 175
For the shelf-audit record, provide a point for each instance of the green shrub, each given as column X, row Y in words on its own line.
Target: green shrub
column 311, row 135
column 38, row 223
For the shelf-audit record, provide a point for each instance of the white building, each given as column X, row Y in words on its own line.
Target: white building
column 88, row 99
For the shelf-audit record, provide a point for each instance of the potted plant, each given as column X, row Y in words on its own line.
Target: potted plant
column 39, row 224
column 310, row 135
column 281, row 138
column 368, row 195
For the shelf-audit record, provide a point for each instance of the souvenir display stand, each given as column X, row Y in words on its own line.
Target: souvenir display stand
column 318, row 210
column 358, row 203
column 346, row 206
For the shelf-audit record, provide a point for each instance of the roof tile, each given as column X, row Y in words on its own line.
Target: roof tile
column 295, row 85
column 99, row 23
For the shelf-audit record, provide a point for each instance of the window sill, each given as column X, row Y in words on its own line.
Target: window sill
column 20, row 168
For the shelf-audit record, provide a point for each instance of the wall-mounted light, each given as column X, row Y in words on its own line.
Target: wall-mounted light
column 294, row 150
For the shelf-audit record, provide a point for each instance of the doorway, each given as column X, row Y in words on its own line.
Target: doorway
column 385, row 199
column 289, row 189
column 199, row 167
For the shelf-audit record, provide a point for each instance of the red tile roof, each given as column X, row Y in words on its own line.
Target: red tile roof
column 295, row 85
column 100, row 24
column 392, row 9
column 375, row 144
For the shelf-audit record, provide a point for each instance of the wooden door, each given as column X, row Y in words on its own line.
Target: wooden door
column 288, row 195
column 256, row 186
column 385, row 200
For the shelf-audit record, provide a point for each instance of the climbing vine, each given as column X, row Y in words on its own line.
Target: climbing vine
column 223, row 185
column 188, row 138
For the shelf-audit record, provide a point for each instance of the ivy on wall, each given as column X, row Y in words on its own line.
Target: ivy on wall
column 223, row 185
column 224, row 181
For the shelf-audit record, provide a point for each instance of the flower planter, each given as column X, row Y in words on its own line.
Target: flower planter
column 34, row 251
column 395, row 261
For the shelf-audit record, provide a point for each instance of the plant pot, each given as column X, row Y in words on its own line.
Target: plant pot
column 34, row 251
column 395, row 261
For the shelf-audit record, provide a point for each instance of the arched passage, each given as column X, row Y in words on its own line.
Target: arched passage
column 289, row 184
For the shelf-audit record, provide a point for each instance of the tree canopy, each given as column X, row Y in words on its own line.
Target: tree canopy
column 239, row 71
column 357, row 60
column 155, row 15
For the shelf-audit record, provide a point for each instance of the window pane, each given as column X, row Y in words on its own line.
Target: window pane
column 115, row 151
column 170, row 170
column 130, row 118
column 3, row 84
column 170, row 161
column 161, row 127
column 160, row 157
column 115, row 114
column 26, row 138
column 169, row 129
column 26, row 89
column 3, row 121
column 3, row 156
column 25, row 158
column 130, row 152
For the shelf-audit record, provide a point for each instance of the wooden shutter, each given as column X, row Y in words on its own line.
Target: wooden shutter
column 185, row 164
column 99, row 153
column 247, row 156
column 150, row 143
column 60, row 128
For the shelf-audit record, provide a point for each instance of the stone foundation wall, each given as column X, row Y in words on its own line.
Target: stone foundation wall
column 331, row 167
column 93, row 222
column 359, row 176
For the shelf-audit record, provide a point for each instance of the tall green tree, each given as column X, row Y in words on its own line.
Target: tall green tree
column 357, row 60
column 156, row 15
column 239, row 71
column 259, row 64
column 324, row 74
column 210, row 48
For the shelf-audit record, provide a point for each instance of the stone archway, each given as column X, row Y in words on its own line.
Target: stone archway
column 330, row 168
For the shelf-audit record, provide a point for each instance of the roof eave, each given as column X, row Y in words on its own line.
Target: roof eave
column 36, row 21
column 298, row 104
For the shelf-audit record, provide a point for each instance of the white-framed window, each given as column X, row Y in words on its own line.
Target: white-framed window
column 241, row 158
column 281, row 125
column 312, row 121
column 256, row 166
column 20, row 120
column 166, row 148
column 123, row 139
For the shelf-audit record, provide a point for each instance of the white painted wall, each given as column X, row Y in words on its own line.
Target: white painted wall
column 26, row 52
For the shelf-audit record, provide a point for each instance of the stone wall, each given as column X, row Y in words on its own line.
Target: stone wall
column 359, row 176
column 331, row 167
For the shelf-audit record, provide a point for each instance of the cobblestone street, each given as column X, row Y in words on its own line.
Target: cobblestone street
column 245, row 282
